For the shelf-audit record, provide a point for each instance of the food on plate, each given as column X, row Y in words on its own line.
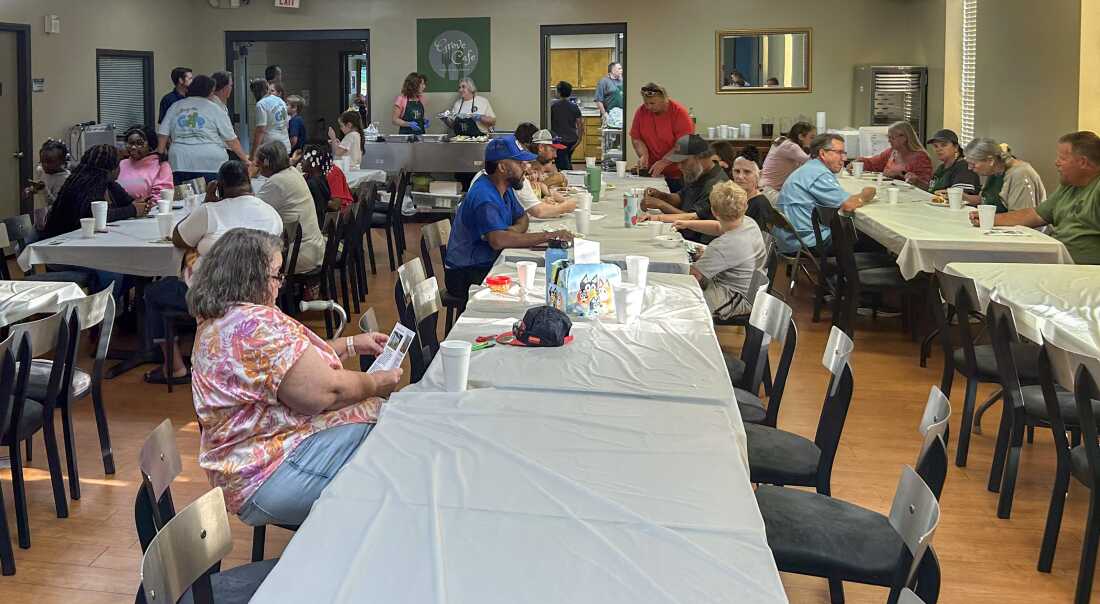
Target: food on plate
column 936, row 199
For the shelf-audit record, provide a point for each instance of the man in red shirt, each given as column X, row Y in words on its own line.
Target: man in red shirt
column 657, row 125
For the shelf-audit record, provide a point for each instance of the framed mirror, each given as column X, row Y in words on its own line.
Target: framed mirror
column 763, row 60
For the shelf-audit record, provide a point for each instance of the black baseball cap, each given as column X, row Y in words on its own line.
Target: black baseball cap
column 543, row 326
column 688, row 145
column 944, row 136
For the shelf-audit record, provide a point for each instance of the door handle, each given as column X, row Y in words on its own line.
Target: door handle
column 17, row 155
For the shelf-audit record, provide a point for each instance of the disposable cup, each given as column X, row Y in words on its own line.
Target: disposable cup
column 986, row 215
column 526, row 272
column 168, row 194
column 456, row 364
column 620, row 169
column 712, row 132
column 628, row 302
column 955, row 198
column 165, row 222
column 857, row 169
column 583, row 217
column 99, row 213
column 590, row 162
column 892, row 194
column 584, row 200
column 164, row 207
column 637, row 270
column 87, row 227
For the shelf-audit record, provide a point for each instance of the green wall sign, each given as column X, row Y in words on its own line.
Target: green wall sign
column 448, row 50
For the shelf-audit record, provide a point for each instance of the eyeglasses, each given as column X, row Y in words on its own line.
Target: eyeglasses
column 649, row 92
column 840, row 151
column 136, row 144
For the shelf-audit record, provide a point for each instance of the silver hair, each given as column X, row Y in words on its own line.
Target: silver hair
column 469, row 82
column 235, row 271
column 753, row 168
column 981, row 149
column 274, row 156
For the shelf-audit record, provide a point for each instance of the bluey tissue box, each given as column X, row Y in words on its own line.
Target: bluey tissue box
column 582, row 290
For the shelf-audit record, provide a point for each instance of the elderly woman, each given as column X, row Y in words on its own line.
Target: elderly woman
column 471, row 114
column 657, row 125
column 285, row 189
column 953, row 170
column 786, row 155
column 1010, row 183
column 229, row 204
column 746, row 174
column 905, row 158
column 199, row 131
column 279, row 413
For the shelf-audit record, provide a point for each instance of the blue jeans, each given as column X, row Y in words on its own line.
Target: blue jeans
column 167, row 294
column 287, row 495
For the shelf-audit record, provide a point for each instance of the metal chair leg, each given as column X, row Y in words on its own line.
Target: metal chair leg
column 259, row 538
column 983, row 408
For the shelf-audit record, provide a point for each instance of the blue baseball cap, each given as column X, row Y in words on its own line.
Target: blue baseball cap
column 507, row 147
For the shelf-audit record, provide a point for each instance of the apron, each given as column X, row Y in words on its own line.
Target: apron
column 414, row 112
column 991, row 192
column 615, row 99
column 467, row 126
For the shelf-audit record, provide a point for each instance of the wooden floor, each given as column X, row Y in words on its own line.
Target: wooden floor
column 93, row 556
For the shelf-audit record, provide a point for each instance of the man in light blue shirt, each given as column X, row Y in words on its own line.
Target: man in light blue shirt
column 815, row 184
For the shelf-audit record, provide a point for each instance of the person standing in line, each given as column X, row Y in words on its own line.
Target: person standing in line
column 199, row 131
column 271, row 117
column 273, row 74
column 609, row 90
column 567, row 124
column 296, row 127
column 181, row 79
column 223, row 88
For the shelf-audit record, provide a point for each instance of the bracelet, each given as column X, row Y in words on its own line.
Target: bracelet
column 349, row 343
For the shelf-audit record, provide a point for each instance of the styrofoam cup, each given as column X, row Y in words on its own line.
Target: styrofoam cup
column 628, row 302
column 892, row 194
column 955, row 198
column 165, row 222
column 168, row 194
column 87, row 227
column 456, row 364
column 637, row 270
column 857, row 169
column 584, row 200
column 583, row 217
column 986, row 216
column 164, row 207
column 99, row 213
column 590, row 162
column 620, row 169
column 526, row 270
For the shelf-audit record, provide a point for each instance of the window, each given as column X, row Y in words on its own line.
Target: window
column 124, row 88
column 969, row 69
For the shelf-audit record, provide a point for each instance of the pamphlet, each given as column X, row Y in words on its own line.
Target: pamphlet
column 393, row 353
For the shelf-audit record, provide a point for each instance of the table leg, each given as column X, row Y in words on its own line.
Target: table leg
column 147, row 353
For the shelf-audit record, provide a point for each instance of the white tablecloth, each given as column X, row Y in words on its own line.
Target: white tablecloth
column 1059, row 302
column 926, row 238
column 22, row 299
column 490, row 497
column 130, row 247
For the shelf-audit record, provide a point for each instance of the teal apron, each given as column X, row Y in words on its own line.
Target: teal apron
column 467, row 126
column 414, row 112
column 991, row 192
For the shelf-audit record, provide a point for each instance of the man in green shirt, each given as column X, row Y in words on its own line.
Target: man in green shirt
column 1074, row 209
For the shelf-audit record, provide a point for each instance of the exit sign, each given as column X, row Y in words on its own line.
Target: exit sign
column 288, row 3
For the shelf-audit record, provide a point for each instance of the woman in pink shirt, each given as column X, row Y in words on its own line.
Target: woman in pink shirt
column 409, row 114
column 144, row 172
column 906, row 159
column 787, row 154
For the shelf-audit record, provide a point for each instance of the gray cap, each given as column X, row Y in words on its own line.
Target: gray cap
column 945, row 136
column 687, row 146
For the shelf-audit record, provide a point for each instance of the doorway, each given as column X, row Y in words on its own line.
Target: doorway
column 323, row 67
column 17, row 152
column 580, row 54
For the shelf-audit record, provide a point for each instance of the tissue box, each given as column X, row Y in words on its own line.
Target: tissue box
column 448, row 187
column 582, row 290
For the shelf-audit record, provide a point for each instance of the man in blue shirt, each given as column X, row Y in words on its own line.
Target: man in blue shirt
column 181, row 79
column 815, row 184
column 490, row 218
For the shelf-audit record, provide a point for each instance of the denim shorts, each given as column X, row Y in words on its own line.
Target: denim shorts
column 287, row 495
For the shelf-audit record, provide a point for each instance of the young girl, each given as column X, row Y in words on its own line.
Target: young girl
column 353, row 144
column 144, row 172
column 50, row 175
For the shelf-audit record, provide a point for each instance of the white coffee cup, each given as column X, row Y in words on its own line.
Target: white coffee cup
column 99, row 212
column 878, row 178
column 590, row 162
column 746, row 130
column 955, row 198
column 456, row 364
column 582, row 215
column 165, row 223
column 986, row 216
column 637, row 270
column 628, row 302
column 712, row 132
column 164, row 207
column 87, row 227
column 857, row 169
column 620, row 169
column 892, row 194
column 584, row 200
column 168, row 194
column 526, row 270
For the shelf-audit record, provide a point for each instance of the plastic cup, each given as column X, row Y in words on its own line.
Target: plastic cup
column 857, row 169
column 712, row 132
column 584, row 200
column 99, row 213
column 637, row 270
column 590, row 162
column 620, row 169
column 628, row 302
column 526, row 270
column 87, row 227
column 986, row 216
column 892, row 194
column 582, row 215
column 165, row 223
column 168, row 194
column 456, row 364
column 164, row 207
column 955, row 198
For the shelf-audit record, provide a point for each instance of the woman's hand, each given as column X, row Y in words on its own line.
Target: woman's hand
column 141, row 206
column 370, row 343
column 385, row 381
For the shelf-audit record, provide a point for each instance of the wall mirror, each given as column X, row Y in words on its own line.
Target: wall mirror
column 763, row 60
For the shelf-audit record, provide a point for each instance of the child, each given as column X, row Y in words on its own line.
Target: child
column 353, row 144
column 297, row 127
column 50, row 175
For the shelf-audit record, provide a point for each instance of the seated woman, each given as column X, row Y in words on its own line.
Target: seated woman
column 905, row 158
column 746, row 173
column 144, row 173
column 286, row 190
column 726, row 268
column 952, row 170
column 229, row 204
column 1010, row 183
column 279, row 413
column 786, row 155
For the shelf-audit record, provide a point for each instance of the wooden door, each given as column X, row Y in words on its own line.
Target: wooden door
column 593, row 65
column 563, row 66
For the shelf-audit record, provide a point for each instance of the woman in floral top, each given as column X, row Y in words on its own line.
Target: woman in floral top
column 279, row 413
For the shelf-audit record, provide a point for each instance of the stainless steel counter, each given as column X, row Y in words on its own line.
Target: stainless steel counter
column 424, row 156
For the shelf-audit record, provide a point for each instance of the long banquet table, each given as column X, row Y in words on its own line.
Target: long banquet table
column 1060, row 303
column 926, row 238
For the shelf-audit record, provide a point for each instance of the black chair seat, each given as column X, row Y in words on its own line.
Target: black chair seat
column 236, row 585
column 379, row 219
column 778, row 457
column 884, row 278
column 751, row 407
column 1079, row 465
column 1037, row 407
column 30, row 423
column 77, row 277
column 865, row 260
column 735, row 366
column 812, row 534
column 39, row 380
column 1025, row 354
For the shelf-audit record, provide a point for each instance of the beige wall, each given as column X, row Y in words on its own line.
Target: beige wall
column 1088, row 103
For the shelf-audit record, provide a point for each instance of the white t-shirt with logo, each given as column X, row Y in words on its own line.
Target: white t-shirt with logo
column 271, row 113
column 199, row 129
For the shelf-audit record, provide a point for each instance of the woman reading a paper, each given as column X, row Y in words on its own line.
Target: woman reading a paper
column 279, row 413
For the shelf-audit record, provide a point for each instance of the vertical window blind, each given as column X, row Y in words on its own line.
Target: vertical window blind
column 969, row 68
column 122, row 90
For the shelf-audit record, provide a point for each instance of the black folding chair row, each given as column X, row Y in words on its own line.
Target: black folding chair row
column 771, row 320
column 322, row 276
